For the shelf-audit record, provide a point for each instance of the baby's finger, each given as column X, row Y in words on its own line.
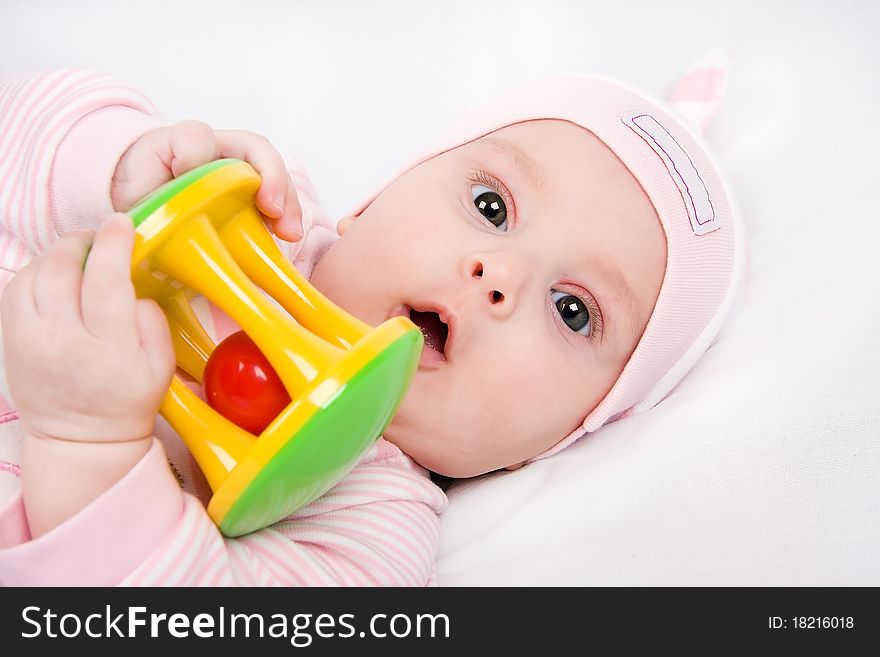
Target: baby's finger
column 57, row 277
column 259, row 153
column 155, row 338
column 290, row 226
column 192, row 143
column 107, row 298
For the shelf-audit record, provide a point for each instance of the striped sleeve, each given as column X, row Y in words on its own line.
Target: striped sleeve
column 379, row 526
column 39, row 188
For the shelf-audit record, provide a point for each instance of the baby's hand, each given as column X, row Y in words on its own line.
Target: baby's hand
column 166, row 153
column 86, row 360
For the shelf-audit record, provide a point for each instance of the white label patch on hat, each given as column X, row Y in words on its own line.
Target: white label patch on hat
column 682, row 169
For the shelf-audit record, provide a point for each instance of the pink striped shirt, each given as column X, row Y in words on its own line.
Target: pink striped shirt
column 61, row 136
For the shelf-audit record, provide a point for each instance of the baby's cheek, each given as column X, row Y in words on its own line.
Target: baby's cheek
column 542, row 384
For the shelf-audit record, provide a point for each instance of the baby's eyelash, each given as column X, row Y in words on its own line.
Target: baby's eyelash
column 595, row 317
column 480, row 177
column 596, row 322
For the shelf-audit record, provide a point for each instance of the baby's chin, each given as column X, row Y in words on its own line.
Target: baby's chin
column 450, row 465
column 405, row 436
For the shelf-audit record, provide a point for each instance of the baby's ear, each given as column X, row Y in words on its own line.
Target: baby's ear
column 344, row 224
column 698, row 93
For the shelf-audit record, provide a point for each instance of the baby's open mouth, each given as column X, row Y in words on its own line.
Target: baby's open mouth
column 433, row 328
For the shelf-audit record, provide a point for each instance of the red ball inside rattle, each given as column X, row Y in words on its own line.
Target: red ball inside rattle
column 242, row 386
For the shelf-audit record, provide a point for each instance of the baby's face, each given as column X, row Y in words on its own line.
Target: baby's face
column 545, row 258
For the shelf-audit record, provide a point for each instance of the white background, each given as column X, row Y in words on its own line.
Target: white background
column 355, row 87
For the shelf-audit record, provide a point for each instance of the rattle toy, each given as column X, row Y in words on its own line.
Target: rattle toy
column 342, row 379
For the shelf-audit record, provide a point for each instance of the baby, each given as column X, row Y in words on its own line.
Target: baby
column 569, row 253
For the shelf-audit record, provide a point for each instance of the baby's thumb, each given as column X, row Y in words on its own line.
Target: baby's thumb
column 155, row 338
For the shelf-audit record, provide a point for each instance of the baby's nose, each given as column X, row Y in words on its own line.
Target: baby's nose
column 498, row 276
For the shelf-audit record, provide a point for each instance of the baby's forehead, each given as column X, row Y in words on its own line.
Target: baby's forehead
column 517, row 156
column 564, row 162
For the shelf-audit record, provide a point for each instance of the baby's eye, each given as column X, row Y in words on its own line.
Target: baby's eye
column 490, row 204
column 573, row 311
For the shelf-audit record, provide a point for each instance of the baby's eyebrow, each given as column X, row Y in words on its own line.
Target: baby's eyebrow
column 622, row 293
column 520, row 159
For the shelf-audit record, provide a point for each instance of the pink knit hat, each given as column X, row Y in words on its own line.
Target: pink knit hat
column 706, row 248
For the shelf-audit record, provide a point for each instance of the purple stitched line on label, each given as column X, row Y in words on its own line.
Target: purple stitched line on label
column 672, row 161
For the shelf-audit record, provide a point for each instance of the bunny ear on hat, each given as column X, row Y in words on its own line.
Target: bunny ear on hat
column 698, row 93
